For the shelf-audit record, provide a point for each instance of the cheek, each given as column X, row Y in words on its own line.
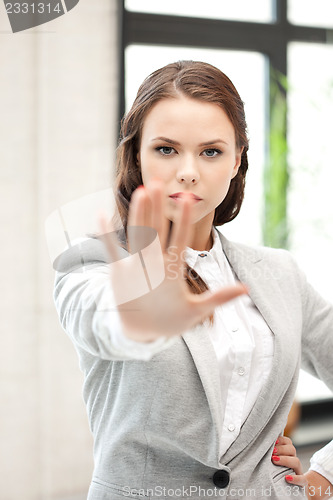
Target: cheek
column 146, row 166
column 153, row 167
column 224, row 184
column 149, row 171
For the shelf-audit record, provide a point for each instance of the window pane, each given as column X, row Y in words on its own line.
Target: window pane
column 310, row 105
column 310, row 13
column 142, row 60
column 239, row 10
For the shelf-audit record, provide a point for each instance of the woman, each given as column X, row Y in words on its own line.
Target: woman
column 188, row 392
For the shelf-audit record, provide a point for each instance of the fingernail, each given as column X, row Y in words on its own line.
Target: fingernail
column 140, row 187
column 276, row 459
column 289, row 478
column 277, row 441
column 274, row 451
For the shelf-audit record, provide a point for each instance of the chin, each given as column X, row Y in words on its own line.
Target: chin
column 173, row 217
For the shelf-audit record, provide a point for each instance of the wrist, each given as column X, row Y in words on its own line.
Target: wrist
column 319, row 486
column 138, row 336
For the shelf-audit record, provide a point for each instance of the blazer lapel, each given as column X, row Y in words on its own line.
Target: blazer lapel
column 204, row 357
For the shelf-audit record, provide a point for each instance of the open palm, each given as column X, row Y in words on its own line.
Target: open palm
column 151, row 293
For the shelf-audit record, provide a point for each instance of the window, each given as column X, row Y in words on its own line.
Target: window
column 306, row 13
column 256, row 10
column 272, row 54
column 310, row 210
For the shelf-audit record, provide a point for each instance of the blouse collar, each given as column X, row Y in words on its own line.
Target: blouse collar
column 193, row 256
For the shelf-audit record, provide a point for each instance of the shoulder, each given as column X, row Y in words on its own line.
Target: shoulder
column 256, row 253
column 265, row 266
column 85, row 252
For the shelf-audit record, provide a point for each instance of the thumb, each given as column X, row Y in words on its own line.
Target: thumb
column 208, row 300
column 297, row 480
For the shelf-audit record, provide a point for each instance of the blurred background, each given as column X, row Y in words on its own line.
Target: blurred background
column 64, row 86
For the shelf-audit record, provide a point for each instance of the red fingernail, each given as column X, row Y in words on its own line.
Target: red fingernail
column 141, row 186
column 276, row 459
column 289, row 478
column 274, row 451
column 277, row 441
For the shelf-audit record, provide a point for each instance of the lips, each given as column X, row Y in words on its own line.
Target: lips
column 177, row 196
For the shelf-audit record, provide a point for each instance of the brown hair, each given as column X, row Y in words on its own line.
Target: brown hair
column 197, row 80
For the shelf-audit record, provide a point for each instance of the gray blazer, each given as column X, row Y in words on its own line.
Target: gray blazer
column 157, row 424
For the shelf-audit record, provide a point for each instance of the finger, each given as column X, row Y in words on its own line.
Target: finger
column 284, row 446
column 208, row 301
column 290, row 462
column 148, row 207
column 147, row 212
column 159, row 220
column 285, row 449
column 298, row 480
column 137, row 207
column 182, row 227
column 109, row 238
column 283, row 440
column 139, row 219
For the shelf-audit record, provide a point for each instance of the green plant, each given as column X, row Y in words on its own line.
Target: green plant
column 276, row 174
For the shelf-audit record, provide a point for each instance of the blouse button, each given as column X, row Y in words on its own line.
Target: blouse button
column 241, row 371
column 231, row 427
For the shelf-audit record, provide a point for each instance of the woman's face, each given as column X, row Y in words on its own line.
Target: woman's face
column 190, row 146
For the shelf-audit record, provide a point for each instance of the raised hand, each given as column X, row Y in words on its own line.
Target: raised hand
column 169, row 308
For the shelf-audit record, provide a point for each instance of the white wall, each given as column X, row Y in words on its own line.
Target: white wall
column 58, row 102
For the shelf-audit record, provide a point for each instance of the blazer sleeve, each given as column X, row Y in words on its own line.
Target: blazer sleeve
column 86, row 306
column 317, row 357
column 322, row 462
column 317, row 333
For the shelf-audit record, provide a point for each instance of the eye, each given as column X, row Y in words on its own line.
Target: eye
column 165, row 150
column 212, row 152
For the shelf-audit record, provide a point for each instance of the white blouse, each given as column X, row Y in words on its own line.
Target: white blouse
column 242, row 340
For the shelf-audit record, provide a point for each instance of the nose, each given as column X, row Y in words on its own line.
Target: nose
column 188, row 173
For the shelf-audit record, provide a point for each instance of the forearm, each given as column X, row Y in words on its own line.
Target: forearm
column 89, row 315
column 319, row 486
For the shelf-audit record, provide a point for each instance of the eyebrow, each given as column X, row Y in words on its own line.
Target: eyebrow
column 175, row 143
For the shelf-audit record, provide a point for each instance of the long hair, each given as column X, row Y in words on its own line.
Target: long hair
column 197, row 80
